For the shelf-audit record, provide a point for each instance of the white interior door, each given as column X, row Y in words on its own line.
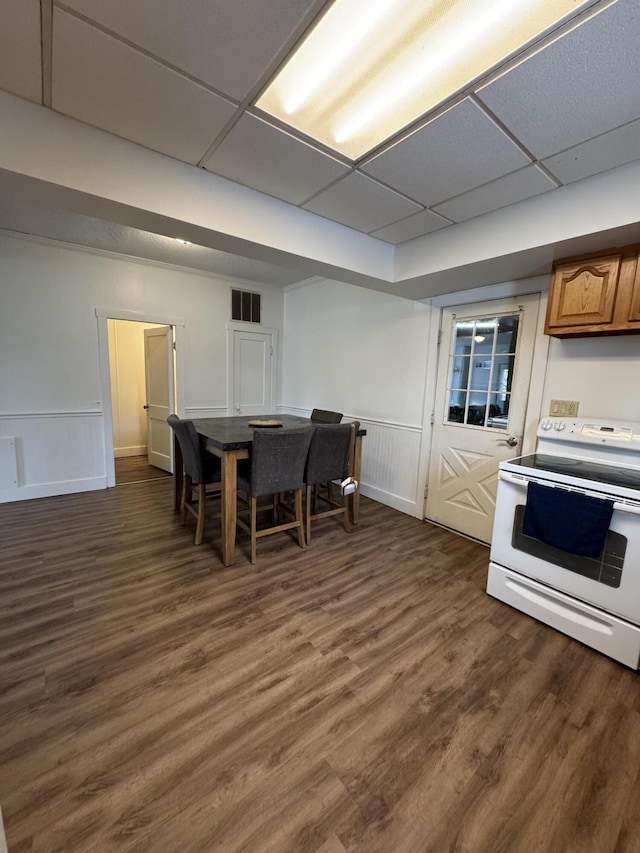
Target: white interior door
column 160, row 388
column 482, row 389
column 252, row 373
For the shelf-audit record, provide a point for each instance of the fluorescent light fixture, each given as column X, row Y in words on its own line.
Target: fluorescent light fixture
column 372, row 67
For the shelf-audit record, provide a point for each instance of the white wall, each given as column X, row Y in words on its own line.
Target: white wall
column 364, row 354
column 50, row 385
column 602, row 373
column 370, row 356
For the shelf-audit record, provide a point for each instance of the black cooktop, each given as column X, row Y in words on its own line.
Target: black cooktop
column 597, row 471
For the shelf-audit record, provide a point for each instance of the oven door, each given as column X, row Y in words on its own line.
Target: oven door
column 610, row 582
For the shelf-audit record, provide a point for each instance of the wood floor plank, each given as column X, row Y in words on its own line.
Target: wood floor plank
column 362, row 695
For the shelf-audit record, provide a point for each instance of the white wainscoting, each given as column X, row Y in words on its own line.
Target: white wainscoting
column 192, row 412
column 390, row 460
column 56, row 453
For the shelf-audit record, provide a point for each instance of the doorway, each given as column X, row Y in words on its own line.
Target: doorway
column 142, row 383
column 137, row 439
column 482, row 392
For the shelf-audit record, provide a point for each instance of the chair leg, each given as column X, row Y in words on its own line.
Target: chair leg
column 300, row 518
column 309, row 493
column 187, row 497
column 202, row 508
column 254, row 524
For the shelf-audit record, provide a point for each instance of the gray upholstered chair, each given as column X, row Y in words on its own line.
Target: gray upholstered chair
column 201, row 469
column 323, row 416
column 330, row 458
column 276, row 466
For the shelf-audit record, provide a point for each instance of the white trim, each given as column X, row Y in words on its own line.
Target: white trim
column 303, row 412
column 505, row 290
column 102, row 316
column 76, row 413
column 388, row 499
column 49, row 490
column 192, row 412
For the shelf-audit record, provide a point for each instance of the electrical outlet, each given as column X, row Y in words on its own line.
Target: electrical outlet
column 564, row 408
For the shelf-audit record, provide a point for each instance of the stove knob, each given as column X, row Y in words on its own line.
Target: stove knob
column 559, row 426
column 545, row 425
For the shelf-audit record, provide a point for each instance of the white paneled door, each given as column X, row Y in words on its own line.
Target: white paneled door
column 160, row 392
column 252, row 380
column 484, row 371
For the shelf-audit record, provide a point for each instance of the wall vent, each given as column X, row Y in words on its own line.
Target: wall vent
column 246, row 306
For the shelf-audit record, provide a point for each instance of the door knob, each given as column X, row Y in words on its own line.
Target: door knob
column 237, row 408
column 511, row 440
column 145, row 406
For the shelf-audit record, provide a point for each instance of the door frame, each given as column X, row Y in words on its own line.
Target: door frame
column 254, row 328
column 104, row 314
column 471, row 298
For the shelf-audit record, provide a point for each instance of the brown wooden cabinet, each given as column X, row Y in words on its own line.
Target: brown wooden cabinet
column 596, row 294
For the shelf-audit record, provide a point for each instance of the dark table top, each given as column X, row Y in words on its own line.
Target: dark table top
column 236, row 434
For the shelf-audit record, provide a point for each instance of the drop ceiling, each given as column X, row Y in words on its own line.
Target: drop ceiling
column 182, row 79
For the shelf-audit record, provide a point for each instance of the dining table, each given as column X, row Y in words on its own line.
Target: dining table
column 230, row 438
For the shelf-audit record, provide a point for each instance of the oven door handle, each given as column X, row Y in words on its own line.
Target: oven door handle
column 618, row 506
column 512, row 478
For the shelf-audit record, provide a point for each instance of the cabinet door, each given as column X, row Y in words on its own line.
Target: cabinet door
column 583, row 294
column 634, row 310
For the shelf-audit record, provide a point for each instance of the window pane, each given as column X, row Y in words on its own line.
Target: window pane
column 255, row 307
column 477, row 409
column 498, row 411
column 480, row 373
column 460, row 372
column 464, row 338
column 457, row 402
column 502, row 373
column 508, row 333
column 236, row 307
column 483, row 336
column 246, row 305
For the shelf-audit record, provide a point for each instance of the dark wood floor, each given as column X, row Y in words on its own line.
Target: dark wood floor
column 364, row 695
column 135, row 469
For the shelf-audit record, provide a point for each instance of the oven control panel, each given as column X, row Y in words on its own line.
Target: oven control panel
column 590, row 431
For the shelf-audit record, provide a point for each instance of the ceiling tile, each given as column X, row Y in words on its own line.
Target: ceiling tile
column 361, row 203
column 581, row 85
column 105, row 83
column 516, row 186
column 612, row 149
column 20, row 42
column 413, row 226
column 459, row 150
column 227, row 44
column 267, row 159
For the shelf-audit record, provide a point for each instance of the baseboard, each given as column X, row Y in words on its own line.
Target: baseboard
column 386, row 498
column 121, row 452
column 50, row 490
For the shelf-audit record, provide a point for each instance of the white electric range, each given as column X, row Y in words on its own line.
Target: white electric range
column 595, row 599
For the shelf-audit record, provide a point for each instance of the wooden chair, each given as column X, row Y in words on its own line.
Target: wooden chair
column 276, row 466
column 330, row 458
column 201, row 469
column 323, row 416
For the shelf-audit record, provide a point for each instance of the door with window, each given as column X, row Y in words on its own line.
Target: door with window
column 484, row 370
